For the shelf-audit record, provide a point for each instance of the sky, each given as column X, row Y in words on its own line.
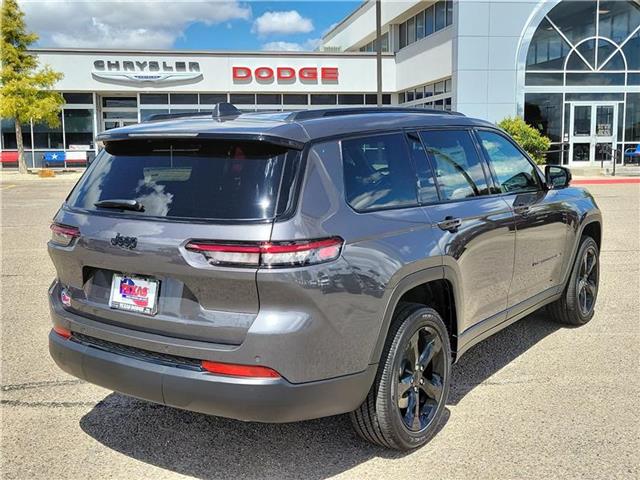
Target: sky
column 184, row 24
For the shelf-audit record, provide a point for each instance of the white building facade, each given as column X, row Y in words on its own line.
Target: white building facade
column 571, row 68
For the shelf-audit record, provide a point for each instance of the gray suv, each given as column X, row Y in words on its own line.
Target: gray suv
column 276, row 267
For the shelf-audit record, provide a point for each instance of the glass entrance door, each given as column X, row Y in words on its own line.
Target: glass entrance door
column 593, row 132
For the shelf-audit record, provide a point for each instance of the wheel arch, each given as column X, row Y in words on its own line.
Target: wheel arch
column 434, row 287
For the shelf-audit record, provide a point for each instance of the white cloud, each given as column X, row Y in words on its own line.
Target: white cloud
column 289, row 22
column 123, row 23
column 280, row 46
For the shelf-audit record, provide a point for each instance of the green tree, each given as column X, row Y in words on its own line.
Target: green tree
column 529, row 138
column 25, row 89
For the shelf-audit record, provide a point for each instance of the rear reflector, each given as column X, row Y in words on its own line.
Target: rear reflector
column 63, row 235
column 269, row 254
column 230, row 369
column 63, row 332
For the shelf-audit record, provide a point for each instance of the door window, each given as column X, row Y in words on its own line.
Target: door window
column 514, row 172
column 582, row 120
column 427, row 190
column 378, row 173
column 458, row 169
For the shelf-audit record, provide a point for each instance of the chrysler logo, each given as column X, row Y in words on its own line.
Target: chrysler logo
column 124, row 242
column 146, row 71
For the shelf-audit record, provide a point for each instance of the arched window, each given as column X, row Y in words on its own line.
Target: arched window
column 581, row 74
column 586, row 43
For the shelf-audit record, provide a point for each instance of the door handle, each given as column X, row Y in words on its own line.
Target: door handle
column 450, row 224
column 523, row 210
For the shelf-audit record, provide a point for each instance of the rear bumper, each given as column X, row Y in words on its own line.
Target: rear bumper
column 261, row 400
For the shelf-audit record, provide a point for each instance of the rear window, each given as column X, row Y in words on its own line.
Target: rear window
column 190, row 180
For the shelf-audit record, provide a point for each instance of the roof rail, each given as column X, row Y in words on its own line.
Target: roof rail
column 337, row 112
column 220, row 110
column 156, row 117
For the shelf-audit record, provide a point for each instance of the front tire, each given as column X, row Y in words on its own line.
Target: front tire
column 577, row 304
column 406, row 402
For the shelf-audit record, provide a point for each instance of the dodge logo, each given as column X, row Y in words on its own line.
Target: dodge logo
column 124, row 242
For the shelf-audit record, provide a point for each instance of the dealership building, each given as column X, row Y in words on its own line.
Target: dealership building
column 571, row 68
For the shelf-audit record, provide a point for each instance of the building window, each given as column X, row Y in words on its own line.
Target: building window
column 632, row 125
column 183, row 99
column 45, row 136
column 212, row 98
column 323, row 99
column 350, row 99
column 147, row 113
column 295, row 99
column 371, row 46
column 9, row 135
column 154, row 99
column 243, row 98
column 78, row 98
column 420, row 25
column 78, row 128
column 427, row 22
column 418, row 96
column 440, row 15
column 119, row 102
column 449, row 8
column 411, row 30
column 269, row 99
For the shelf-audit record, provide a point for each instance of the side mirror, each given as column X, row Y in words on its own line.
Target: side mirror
column 557, row 176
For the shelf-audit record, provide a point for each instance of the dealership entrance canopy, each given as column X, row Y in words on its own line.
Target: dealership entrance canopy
column 571, row 68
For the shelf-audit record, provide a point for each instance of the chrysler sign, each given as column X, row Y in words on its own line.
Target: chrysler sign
column 146, row 72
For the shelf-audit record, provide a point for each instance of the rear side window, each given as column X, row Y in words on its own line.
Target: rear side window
column 514, row 172
column 189, row 180
column 378, row 173
column 458, row 168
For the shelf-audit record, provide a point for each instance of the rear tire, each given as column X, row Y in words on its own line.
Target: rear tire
column 406, row 402
column 577, row 304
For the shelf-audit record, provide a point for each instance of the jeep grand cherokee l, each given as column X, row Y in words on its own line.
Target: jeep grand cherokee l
column 277, row 267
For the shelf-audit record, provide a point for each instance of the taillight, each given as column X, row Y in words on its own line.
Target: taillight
column 254, row 371
column 269, row 254
column 63, row 332
column 63, row 235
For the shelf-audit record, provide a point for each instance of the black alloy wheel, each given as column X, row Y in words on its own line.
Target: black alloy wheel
column 420, row 379
column 577, row 304
column 406, row 403
column 587, row 281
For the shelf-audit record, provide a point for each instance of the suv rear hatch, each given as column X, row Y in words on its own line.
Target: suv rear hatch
column 136, row 209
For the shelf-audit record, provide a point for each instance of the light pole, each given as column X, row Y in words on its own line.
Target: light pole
column 379, row 52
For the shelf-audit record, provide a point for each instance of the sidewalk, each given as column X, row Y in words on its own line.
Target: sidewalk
column 604, row 180
column 12, row 176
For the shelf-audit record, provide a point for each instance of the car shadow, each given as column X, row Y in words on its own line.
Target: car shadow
column 209, row 447
column 492, row 354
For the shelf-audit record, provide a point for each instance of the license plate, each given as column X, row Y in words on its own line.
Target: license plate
column 134, row 294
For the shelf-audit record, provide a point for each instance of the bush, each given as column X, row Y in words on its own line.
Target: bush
column 528, row 137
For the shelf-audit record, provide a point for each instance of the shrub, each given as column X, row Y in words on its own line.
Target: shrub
column 529, row 138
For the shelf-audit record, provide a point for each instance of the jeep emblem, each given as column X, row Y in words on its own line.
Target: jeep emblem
column 124, row 242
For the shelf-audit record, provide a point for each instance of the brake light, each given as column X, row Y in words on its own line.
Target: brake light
column 255, row 371
column 269, row 254
column 63, row 332
column 63, row 235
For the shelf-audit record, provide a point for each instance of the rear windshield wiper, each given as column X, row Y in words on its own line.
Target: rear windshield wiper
column 120, row 204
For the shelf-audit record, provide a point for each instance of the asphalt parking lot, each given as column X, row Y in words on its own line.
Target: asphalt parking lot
column 534, row 401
